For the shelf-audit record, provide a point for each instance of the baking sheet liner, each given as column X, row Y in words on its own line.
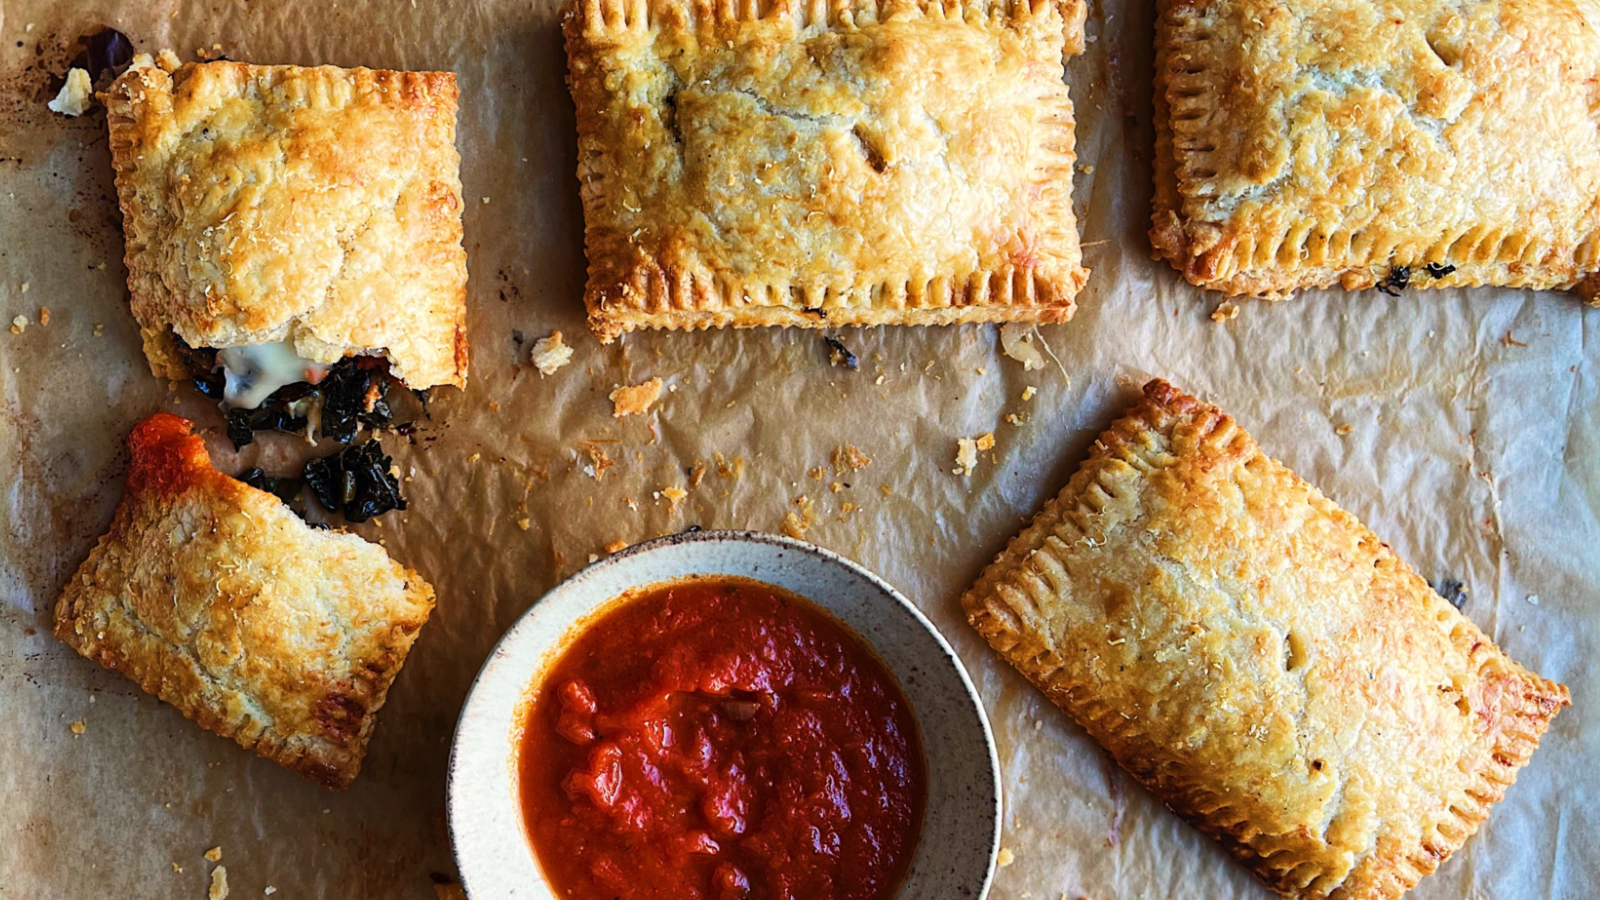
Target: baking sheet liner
column 1471, row 448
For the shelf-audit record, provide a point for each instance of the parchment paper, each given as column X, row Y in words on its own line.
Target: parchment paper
column 1472, row 449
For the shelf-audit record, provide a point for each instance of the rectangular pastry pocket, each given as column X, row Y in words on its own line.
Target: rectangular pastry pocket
column 216, row 598
column 1259, row 660
column 296, row 215
column 1422, row 144
column 821, row 164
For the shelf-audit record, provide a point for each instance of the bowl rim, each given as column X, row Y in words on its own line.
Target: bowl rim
column 712, row 536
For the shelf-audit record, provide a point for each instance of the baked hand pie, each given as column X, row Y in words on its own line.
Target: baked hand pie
column 1260, row 660
column 295, row 216
column 215, row 597
column 812, row 164
column 1412, row 144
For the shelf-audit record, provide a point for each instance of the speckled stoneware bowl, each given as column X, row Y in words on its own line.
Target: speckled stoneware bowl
column 961, row 829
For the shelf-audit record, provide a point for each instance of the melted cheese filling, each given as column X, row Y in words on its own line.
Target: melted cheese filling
column 252, row 373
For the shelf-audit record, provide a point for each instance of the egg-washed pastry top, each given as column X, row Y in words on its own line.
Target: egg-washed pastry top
column 820, row 164
column 1417, row 143
column 1259, row 660
column 315, row 206
column 215, row 597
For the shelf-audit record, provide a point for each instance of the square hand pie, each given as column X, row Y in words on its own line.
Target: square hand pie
column 1260, row 660
column 215, row 597
column 315, row 206
column 1414, row 143
column 819, row 164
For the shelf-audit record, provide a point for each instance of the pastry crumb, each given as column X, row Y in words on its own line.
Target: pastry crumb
column 77, row 728
column 635, row 398
column 167, row 61
column 1016, row 340
column 269, row 890
column 1225, row 311
column 76, row 95
column 524, row 524
column 697, row 474
column 967, row 452
column 214, row 854
column 550, row 354
column 219, row 884
column 793, row 527
column 616, row 546
column 816, row 473
column 849, row 456
column 44, row 315
column 1028, row 393
column 19, row 324
column 727, row 469
column 836, row 487
column 1016, row 421
column 99, row 330
column 1005, row 857
column 1343, row 429
column 674, row 495
column 177, row 868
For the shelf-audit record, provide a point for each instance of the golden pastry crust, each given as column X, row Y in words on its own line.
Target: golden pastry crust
column 1259, row 659
column 854, row 163
column 1320, row 143
column 218, row 599
column 318, row 205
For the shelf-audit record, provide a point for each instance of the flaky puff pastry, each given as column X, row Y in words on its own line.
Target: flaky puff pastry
column 215, row 597
column 1260, row 660
column 316, row 205
column 1411, row 143
column 817, row 164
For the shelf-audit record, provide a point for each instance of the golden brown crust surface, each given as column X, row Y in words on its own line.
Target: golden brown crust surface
column 318, row 205
column 1317, row 143
column 814, row 164
column 1259, row 659
column 218, row 599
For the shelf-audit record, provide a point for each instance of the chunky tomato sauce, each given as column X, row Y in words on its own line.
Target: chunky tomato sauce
column 719, row 739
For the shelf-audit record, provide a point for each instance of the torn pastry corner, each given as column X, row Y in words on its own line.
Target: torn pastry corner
column 635, row 398
column 239, row 641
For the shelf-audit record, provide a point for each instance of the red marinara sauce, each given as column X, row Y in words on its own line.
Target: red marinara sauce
column 718, row 738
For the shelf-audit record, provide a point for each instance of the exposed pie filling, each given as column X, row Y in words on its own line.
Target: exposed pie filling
column 720, row 739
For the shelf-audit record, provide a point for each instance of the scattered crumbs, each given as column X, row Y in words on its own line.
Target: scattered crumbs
column 76, row 728
column 1028, row 393
column 878, row 380
column 99, row 330
column 524, row 524
column 674, row 495
column 1343, row 429
column 1533, row 599
column 19, row 324
column 599, row 461
column 484, row 199
column 793, row 527
column 1087, row 170
column 887, row 491
column 26, row 285
column 1016, row 340
column 1226, row 310
column 219, row 884
column 817, row 473
column 846, row 508
column 727, row 469
column 550, row 354
column 967, row 452
column 849, row 457
column 1016, row 420
column 1006, row 857
column 982, row 370
column 44, row 315
column 635, row 398
column 75, row 97
column 615, row 546
column 177, row 868
column 269, row 890
column 474, row 457
column 214, row 854
column 697, row 474
column 594, row 558
column 836, row 487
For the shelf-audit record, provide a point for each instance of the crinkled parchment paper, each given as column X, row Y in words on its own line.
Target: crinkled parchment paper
column 1471, row 447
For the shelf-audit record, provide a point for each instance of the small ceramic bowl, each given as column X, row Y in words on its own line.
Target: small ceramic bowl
column 961, row 827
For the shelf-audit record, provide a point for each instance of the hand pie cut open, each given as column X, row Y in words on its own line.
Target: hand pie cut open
column 819, row 164
column 1259, row 660
column 1417, row 144
column 291, row 217
column 215, row 597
